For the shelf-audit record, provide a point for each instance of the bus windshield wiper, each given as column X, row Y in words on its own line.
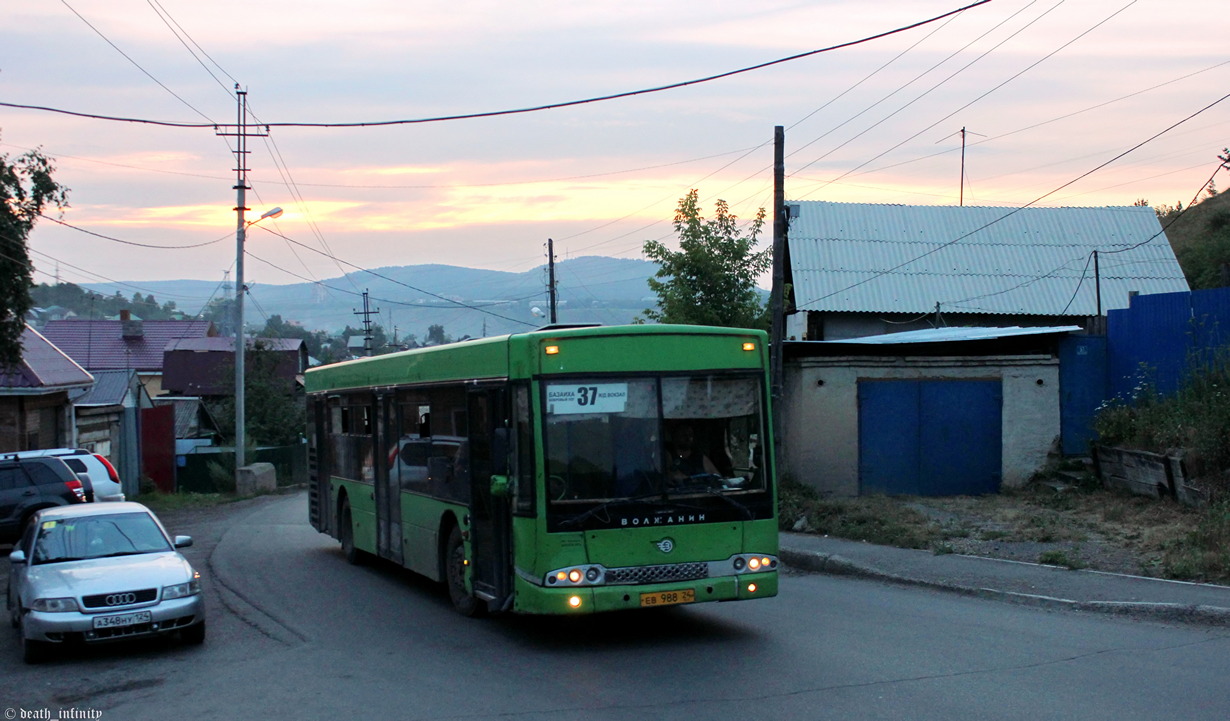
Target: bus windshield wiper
column 613, row 503
column 708, row 489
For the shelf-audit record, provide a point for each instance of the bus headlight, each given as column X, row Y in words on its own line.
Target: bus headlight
column 753, row 563
column 587, row 575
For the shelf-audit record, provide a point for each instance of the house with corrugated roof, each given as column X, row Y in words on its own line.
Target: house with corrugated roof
column 108, row 420
column 35, row 410
column 860, row 269
column 125, row 344
column 951, row 350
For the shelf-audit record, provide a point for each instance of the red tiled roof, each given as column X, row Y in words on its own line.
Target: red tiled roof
column 43, row 367
column 101, row 345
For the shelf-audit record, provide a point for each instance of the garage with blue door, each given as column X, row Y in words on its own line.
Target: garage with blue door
column 929, row 437
column 949, row 411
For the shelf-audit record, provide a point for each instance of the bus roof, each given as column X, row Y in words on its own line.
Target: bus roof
column 497, row 357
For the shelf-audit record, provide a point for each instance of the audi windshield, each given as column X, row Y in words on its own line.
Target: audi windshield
column 84, row 537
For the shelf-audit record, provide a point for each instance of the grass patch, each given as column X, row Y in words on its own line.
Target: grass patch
column 1203, row 554
column 1060, row 558
column 161, row 502
column 873, row 519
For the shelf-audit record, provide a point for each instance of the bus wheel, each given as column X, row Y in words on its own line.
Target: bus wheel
column 455, row 576
column 346, row 529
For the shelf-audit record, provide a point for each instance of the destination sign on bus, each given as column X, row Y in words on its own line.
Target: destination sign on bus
column 565, row 399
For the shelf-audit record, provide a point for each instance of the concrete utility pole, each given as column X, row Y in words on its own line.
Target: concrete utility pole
column 240, row 133
column 367, row 314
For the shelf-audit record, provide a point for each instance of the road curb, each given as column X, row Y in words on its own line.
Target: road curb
column 834, row 564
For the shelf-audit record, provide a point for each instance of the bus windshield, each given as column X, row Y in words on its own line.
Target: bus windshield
column 613, row 438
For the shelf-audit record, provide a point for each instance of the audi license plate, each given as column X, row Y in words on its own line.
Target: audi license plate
column 668, row 598
column 124, row 619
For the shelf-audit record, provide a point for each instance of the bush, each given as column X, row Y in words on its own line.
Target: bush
column 1196, row 418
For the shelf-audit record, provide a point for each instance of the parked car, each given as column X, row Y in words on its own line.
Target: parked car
column 106, row 481
column 30, row 484
column 417, row 460
column 100, row 572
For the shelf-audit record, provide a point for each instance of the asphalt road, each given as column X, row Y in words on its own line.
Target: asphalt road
column 296, row 633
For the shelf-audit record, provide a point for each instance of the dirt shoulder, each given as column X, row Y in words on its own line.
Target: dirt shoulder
column 1062, row 524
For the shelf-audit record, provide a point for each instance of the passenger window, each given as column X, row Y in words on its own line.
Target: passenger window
column 12, row 478
column 42, row 475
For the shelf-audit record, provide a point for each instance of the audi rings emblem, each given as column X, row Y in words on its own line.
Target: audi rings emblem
column 120, row 599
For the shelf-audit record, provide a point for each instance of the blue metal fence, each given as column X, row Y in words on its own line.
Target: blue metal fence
column 1161, row 338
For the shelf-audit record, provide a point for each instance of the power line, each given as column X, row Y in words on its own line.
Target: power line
column 130, row 242
column 531, row 109
column 134, row 62
column 1014, row 211
column 167, row 20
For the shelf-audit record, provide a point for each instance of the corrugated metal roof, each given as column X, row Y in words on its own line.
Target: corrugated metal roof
column 947, row 335
column 857, row 257
column 187, row 414
column 110, row 388
column 44, row 368
column 101, row 345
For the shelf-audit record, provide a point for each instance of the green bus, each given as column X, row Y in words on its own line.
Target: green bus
column 560, row 471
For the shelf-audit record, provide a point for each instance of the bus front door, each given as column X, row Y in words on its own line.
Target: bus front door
column 490, row 516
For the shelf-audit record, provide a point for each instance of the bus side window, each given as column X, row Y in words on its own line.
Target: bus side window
column 523, row 448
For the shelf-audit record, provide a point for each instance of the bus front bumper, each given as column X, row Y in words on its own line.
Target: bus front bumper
column 531, row 598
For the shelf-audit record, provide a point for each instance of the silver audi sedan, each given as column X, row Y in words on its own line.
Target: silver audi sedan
column 98, row 572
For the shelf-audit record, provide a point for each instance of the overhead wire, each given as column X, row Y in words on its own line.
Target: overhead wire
column 1089, row 259
column 995, row 88
column 131, row 242
column 167, row 20
column 531, row 109
column 134, row 62
column 879, row 274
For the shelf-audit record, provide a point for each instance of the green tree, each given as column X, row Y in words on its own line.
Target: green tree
column 26, row 188
column 436, row 335
column 711, row 279
column 273, row 414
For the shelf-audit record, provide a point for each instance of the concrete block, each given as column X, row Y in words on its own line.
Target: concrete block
column 256, row 478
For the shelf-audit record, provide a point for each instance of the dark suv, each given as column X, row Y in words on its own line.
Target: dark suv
column 28, row 484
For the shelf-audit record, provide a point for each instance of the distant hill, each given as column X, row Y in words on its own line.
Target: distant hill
column 466, row 301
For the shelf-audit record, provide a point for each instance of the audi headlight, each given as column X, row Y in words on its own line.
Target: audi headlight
column 54, row 605
column 182, row 590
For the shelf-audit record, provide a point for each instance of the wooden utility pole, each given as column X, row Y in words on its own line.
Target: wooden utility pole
column 777, row 311
column 551, row 278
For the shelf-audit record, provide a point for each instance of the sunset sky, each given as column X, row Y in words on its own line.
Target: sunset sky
column 1048, row 91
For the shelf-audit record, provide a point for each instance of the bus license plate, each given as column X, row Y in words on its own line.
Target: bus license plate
column 668, row 598
column 124, row 619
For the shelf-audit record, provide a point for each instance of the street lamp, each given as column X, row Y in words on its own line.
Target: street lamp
column 240, row 346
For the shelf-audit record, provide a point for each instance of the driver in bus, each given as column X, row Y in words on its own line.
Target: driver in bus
column 686, row 460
